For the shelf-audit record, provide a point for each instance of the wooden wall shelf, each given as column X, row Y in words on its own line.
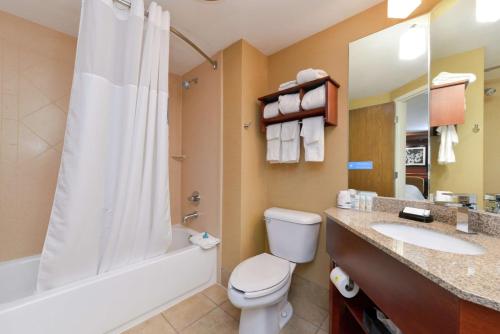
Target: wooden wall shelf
column 447, row 105
column 329, row 111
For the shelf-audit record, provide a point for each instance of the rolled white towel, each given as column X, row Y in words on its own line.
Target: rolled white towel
column 289, row 103
column 288, row 84
column 310, row 74
column 315, row 98
column 444, row 78
column 273, row 137
column 271, row 110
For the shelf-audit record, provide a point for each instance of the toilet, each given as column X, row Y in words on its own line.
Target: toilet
column 259, row 285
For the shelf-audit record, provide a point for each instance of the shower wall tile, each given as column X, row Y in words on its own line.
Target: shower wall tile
column 9, row 106
column 36, row 69
column 31, row 98
column 48, row 123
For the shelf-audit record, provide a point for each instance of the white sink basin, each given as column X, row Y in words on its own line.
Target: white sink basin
column 428, row 239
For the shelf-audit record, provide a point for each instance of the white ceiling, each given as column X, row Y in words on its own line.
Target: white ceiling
column 458, row 31
column 268, row 25
column 374, row 64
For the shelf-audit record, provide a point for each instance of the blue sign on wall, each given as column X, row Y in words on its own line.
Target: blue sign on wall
column 360, row 165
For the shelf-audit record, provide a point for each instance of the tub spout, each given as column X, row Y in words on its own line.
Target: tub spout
column 190, row 216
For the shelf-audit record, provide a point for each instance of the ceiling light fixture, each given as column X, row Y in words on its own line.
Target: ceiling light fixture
column 401, row 9
column 413, row 43
column 487, row 10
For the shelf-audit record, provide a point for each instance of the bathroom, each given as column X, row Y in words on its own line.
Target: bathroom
column 239, row 239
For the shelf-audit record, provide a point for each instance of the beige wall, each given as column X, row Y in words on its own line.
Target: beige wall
column 36, row 69
column 492, row 139
column 466, row 175
column 244, row 196
column 231, row 145
column 201, row 144
column 311, row 186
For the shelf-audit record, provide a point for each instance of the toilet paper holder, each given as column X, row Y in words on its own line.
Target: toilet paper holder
column 350, row 285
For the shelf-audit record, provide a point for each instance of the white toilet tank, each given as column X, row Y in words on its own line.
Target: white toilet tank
column 293, row 235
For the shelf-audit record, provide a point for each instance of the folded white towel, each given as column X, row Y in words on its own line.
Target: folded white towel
column 446, row 78
column 310, row 74
column 271, row 110
column 313, row 132
column 273, row 136
column 449, row 138
column 315, row 98
column 204, row 240
column 288, row 84
column 289, row 103
column 290, row 142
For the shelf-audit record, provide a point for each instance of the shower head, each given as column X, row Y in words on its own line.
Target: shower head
column 490, row 91
column 186, row 84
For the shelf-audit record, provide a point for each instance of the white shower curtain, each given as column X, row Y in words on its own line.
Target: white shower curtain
column 111, row 205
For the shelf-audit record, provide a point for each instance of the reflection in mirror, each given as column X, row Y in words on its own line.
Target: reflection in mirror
column 389, row 118
column 465, row 104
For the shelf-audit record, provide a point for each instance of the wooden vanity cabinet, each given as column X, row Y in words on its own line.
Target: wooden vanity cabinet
column 415, row 304
column 447, row 104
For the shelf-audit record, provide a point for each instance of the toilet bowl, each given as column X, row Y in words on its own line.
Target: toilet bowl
column 259, row 285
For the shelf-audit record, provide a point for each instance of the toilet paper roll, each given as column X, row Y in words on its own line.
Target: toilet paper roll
column 341, row 281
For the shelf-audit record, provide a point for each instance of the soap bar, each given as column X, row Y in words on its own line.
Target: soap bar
column 418, row 212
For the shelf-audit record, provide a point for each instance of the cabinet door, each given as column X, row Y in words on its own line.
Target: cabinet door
column 448, row 105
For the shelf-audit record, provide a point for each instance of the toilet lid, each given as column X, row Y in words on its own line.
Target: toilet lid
column 260, row 272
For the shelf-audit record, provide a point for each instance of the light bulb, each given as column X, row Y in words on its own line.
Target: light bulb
column 412, row 43
column 401, row 9
column 487, row 10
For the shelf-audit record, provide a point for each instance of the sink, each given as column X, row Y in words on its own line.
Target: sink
column 427, row 238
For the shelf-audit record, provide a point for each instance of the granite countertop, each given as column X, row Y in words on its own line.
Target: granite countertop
column 475, row 278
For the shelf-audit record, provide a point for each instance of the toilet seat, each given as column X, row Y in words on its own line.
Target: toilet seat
column 260, row 275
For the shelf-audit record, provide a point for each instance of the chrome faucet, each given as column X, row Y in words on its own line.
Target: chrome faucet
column 190, row 216
column 464, row 203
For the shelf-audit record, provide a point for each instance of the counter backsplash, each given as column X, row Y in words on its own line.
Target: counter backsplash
column 480, row 221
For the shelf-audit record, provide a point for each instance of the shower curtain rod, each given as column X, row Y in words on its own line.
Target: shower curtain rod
column 180, row 35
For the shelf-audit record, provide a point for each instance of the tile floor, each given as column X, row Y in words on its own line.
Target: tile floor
column 210, row 312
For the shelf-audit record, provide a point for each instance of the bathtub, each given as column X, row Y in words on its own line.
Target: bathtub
column 108, row 303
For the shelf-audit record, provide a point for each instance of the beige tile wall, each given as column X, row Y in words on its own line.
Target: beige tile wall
column 36, row 69
column 175, row 145
column 201, row 143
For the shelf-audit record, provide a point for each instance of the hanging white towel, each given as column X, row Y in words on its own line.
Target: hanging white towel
column 289, row 103
column 315, row 98
column 449, row 138
column 273, row 136
column 288, row 84
column 310, row 74
column 446, row 78
column 290, row 142
column 313, row 132
column 271, row 110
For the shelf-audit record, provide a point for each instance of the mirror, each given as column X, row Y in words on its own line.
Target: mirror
column 388, row 117
column 462, row 43
column 444, row 106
